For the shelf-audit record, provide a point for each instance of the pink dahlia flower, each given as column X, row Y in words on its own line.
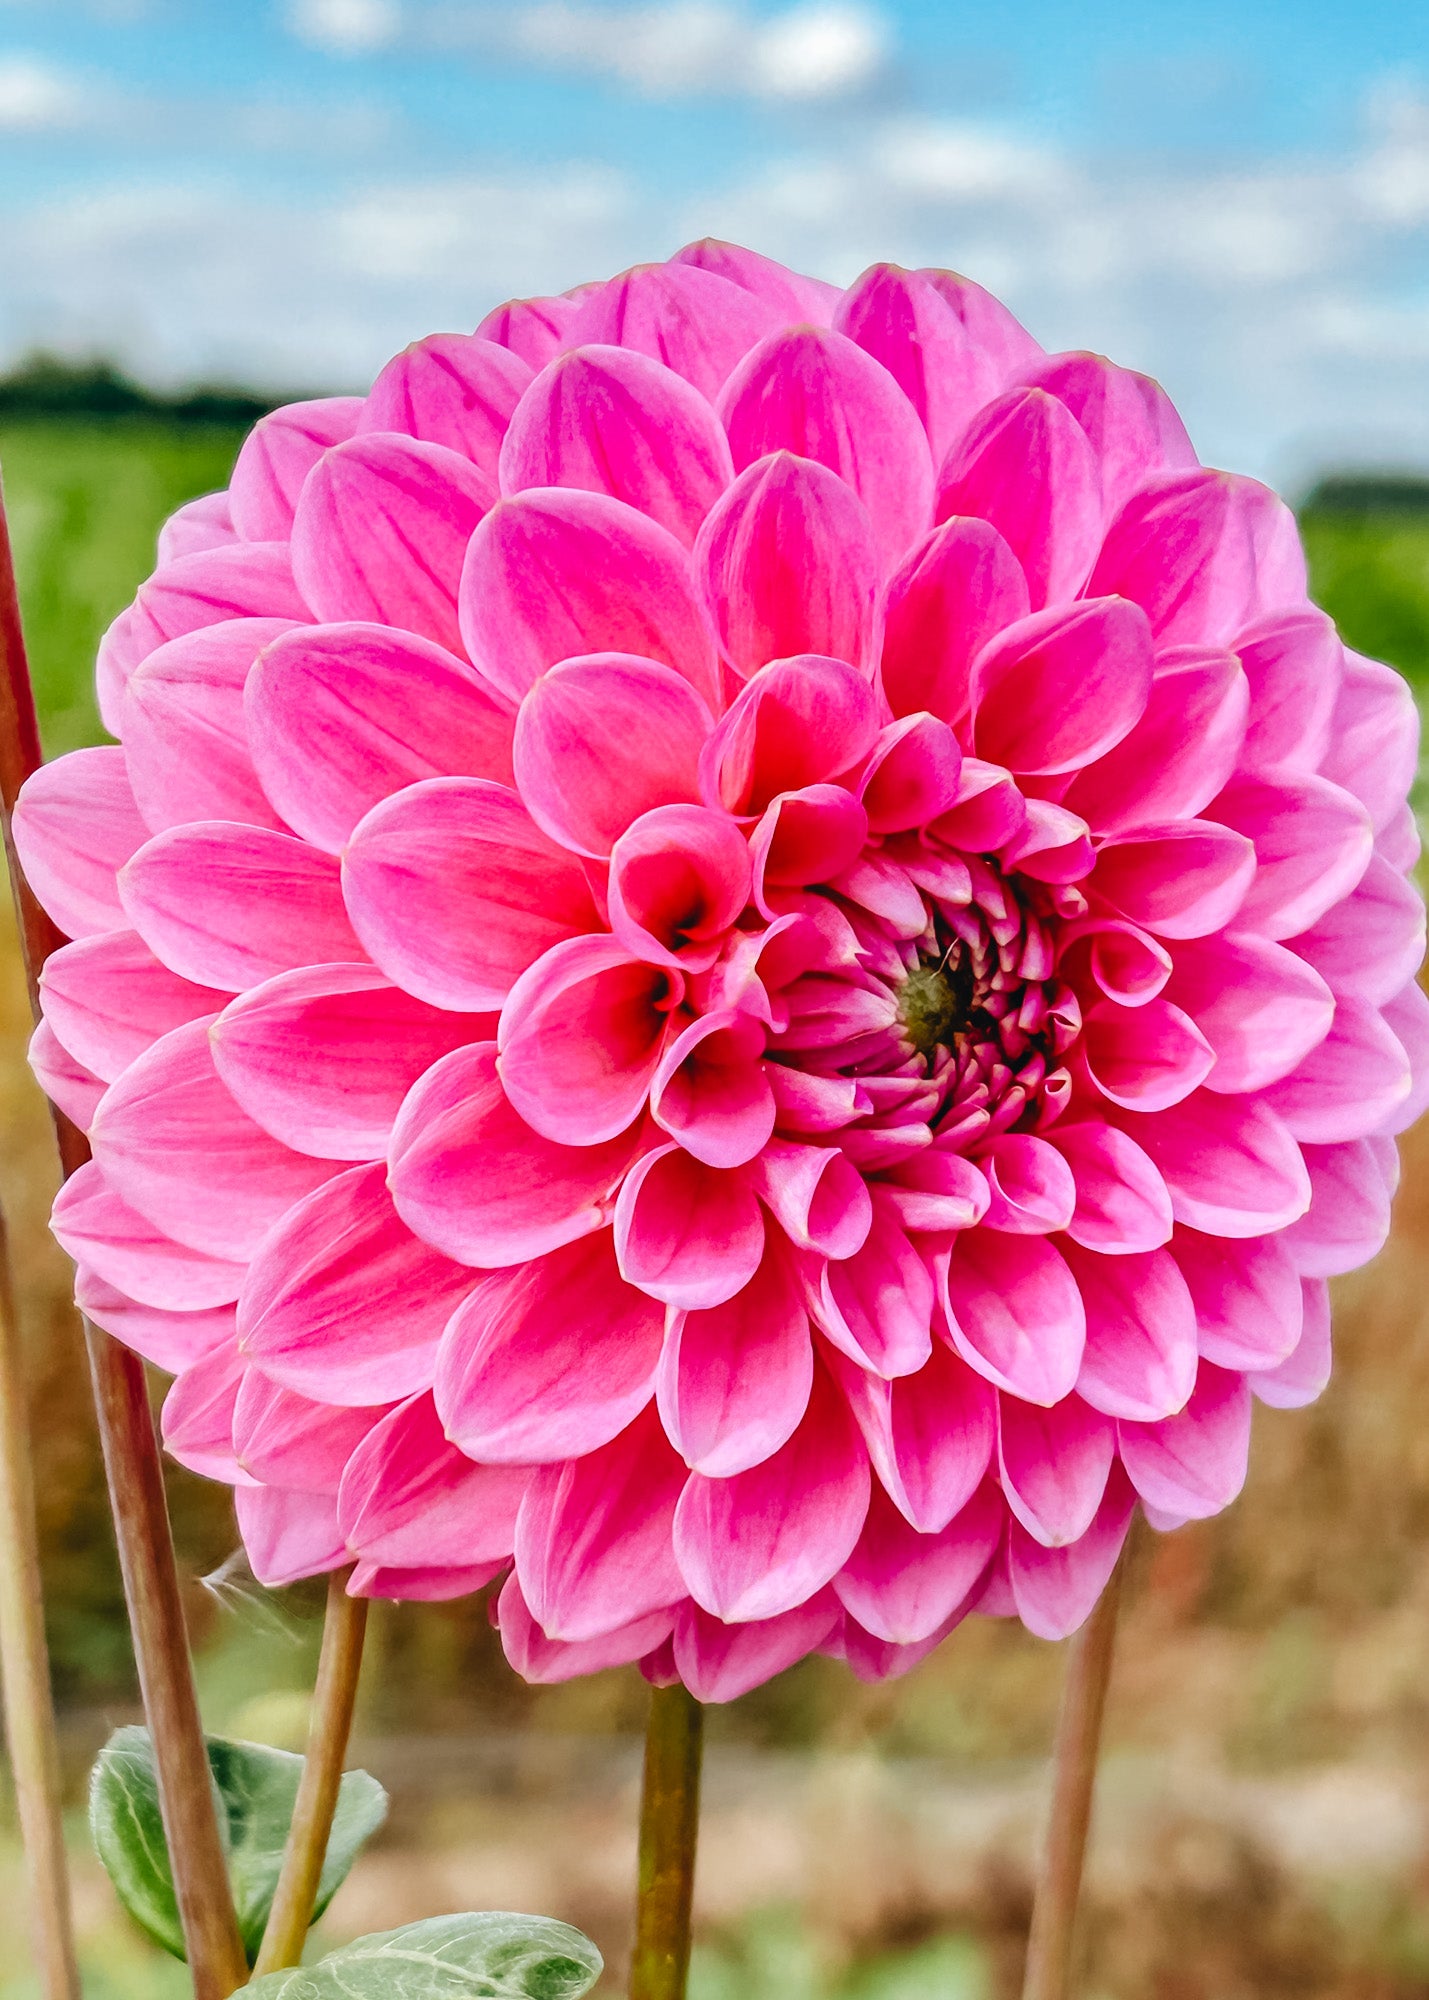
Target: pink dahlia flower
column 744, row 959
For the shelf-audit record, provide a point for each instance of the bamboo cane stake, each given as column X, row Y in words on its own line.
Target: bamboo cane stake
column 669, row 1828
column 217, row 1963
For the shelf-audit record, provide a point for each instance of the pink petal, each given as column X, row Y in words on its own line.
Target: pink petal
column 903, row 1586
column 1122, row 1205
column 452, row 389
column 342, row 1302
column 679, row 877
column 174, row 1144
column 1348, row 1217
column 1175, row 760
column 1024, row 464
column 955, row 591
column 1180, row 879
column 197, row 1416
column 542, row 1660
column 410, row 1499
column 381, row 532
column 992, row 329
column 1260, row 1008
column 1352, row 1083
column 277, row 456
column 914, row 774
column 124, row 1249
column 1406, row 1016
column 422, row 1584
column 288, row 1535
column 818, row 395
column 1129, row 419
column 734, row 1381
column 343, row 716
column 719, row 1662
column 1140, row 1359
column 1124, row 962
column 877, row 1305
column 764, row 1541
column 930, row 1436
column 989, row 812
column 205, row 523
column 593, row 1538
column 75, row 826
column 1061, row 688
column 1032, row 1188
column 712, row 1092
column 1015, row 1313
column 173, row 1341
column 1193, row 1464
column 1374, row 738
column 786, row 292
column 686, row 1233
column 68, row 1084
column 610, row 421
column 797, row 723
column 550, row 1360
column 1302, row 1375
column 1230, row 1164
column 472, row 1178
column 1054, row 1590
column 556, row 573
column 788, row 565
column 185, row 740
column 694, row 321
column 816, row 1195
column 603, row 739
column 905, row 323
column 455, row 891
column 283, row 1439
column 323, row 1057
column 531, row 328
column 1054, row 1465
column 1294, row 664
column 1146, row 1057
column 1247, row 1296
column 229, row 906
column 1184, row 548
column 1372, row 943
column 1312, row 844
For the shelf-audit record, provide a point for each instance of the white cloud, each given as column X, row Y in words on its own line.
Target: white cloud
column 818, row 51
column 346, row 27
column 37, row 96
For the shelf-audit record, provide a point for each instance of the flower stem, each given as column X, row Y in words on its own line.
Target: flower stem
column 1074, row 1769
column 217, row 1962
column 25, row 1673
column 334, row 1695
column 669, row 1829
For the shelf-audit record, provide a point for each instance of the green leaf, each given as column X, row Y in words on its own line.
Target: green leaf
column 491, row 1955
column 255, row 1789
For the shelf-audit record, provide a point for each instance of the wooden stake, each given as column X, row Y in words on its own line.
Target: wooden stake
column 217, row 1963
column 669, row 1829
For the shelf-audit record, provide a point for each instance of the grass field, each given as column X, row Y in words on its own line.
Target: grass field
column 1265, row 1824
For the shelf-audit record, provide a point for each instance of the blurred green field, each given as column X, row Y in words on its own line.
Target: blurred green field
column 861, row 1844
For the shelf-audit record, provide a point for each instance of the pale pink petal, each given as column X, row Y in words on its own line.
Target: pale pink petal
column 1015, row 1313
column 452, row 389
column 1194, row 1464
column 472, row 1178
column 277, row 456
column 455, row 891
column 205, row 523
column 1054, row 1590
column 930, row 1436
column 1294, row 664
column 905, row 323
column 197, row 1416
column 1122, row 1205
column 1302, row 1375
column 1372, row 942
column 719, row 1662
column 125, row 1250
column 75, row 826
column 409, row 1498
column 1175, row 760
column 1180, row 879
column 764, row 1541
column 1406, row 1015
column 342, row 1302
column 695, row 321
column 343, row 716
column 936, row 1192
column 1312, row 845
column 1231, row 1166
column 903, row 1586
column 1353, row 1082
column 173, row 1341
column 541, row 1660
column 1031, row 1187
column 1184, row 548
column 555, row 573
column 1374, row 738
column 955, row 591
column 323, row 1057
column 109, row 999
column 1247, row 1296
column 228, row 905
column 1146, row 1057
column 1260, row 1008
column 1061, row 688
column 1128, row 418
column 381, row 533
column 687, row 1233
column 734, row 1381
column 288, row 1535
column 1140, row 1357
column 284, row 1439
column 1348, row 1215
column 550, row 1360
column 712, row 1092
column 877, row 1305
column 1054, row 1465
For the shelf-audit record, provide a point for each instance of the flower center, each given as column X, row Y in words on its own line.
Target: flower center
column 935, row 1000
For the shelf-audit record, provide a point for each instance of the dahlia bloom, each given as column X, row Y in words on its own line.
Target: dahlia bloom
column 744, row 959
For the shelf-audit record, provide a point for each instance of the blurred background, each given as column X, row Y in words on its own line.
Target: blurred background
column 205, row 208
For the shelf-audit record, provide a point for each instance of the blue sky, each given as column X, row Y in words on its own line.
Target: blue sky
column 1234, row 196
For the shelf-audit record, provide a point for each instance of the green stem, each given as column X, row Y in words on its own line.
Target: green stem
column 669, row 1829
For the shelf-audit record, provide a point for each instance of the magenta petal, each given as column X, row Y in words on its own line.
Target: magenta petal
column 455, row 891
column 904, row 1586
column 686, row 1233
column 990, row 327
column 914, row 774
column 905, row 323
column 877, row 1305
column 1302, row 1375
column 69, row 1085
column 1182, row 879
column 473, row 1179
column 952, row 595
column 174, row 1144
column 1059, row 689
column 1178, row 756
column 786, row 293
column 452, row 389
column 124, row 1249
column 719, row 1662
column 75, row 826
column 1372, row 943
column 1122, row 1204
column 593, row 1538
column 1128, row 418
column 1054, row 1465
column 541, row 1660
column 1295, row 667
column 1193, row 1465
column 283, row 1439
column 409, row 1498
column 789, row 565
column 697, row 322
column 1140, row 1357
column 185, row 737
column 1348, row 1216
column 555, row 573
column 343, row 716
column 342, row 1302
column 764, row 1541
column 712, row 1092
column 288, row 1535
column 1025, row 466
column 173, row 1341
column 1231, row 1166
column 532, row 328
column 277, row 456
column 1312, row 844
column 550, row 1360
column 734, row 1380
column 1032, row 1188
column 323, row 1057
column 1260, row 1008
column 1054, row 1590
column 679, row 877
column 930, row 1436
column 227, row 905
column 816, row 1195
column 798, row 722
column 1015, row 1313
column 1249, row 1309
column 611, row 421
column 1144, row 1057
column 368, row 506
column 601, row 740
column 818, row 395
